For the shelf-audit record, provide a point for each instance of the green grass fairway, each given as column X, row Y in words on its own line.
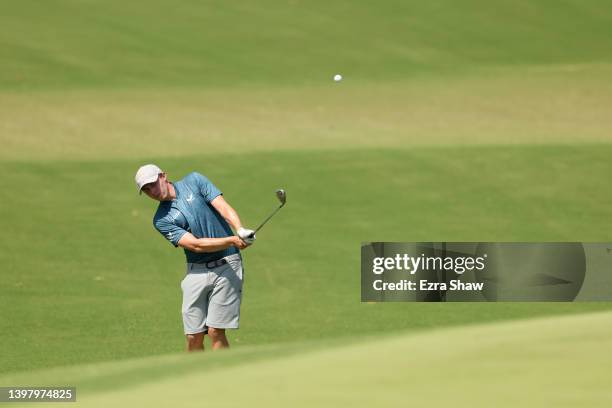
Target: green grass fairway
column 500, row 107
column 530, row 363
column 67, row 44
column 456, row 121
column 101, row 272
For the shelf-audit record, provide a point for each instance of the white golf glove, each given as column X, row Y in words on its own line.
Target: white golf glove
column 247, row 235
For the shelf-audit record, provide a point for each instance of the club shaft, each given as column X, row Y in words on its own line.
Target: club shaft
column 270, row 216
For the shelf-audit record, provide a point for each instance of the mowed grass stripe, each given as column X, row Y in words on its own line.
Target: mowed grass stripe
column 86, row 277
column 535, row 105
column 71, row 44
column 114, row 375
column 529, row 362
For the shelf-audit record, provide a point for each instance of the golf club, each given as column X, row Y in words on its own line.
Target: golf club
column 282, row 197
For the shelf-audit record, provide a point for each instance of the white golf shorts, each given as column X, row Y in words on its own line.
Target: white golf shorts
column 212, row 296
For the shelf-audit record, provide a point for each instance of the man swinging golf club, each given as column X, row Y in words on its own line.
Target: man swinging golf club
column 193, row 214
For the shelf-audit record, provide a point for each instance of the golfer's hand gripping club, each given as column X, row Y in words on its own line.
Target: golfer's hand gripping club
column 247, row 235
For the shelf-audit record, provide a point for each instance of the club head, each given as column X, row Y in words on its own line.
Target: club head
column 282, row 196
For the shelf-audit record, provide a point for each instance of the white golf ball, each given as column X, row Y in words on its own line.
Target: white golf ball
column 337, row 77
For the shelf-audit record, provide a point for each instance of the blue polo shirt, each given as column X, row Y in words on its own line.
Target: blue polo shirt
column 191, row 211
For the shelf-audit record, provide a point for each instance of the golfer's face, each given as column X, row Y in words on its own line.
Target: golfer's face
column 158, row 190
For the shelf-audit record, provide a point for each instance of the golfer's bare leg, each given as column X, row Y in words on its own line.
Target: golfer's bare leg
column 217, row 338
column 195, row 342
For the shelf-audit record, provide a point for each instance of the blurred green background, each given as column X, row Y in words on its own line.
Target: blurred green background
column 455, row 121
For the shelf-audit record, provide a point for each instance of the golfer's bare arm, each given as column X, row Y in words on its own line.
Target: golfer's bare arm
column 227, row 212
column 193, row 244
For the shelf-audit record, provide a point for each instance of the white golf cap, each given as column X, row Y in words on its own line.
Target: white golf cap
column 147, row 174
